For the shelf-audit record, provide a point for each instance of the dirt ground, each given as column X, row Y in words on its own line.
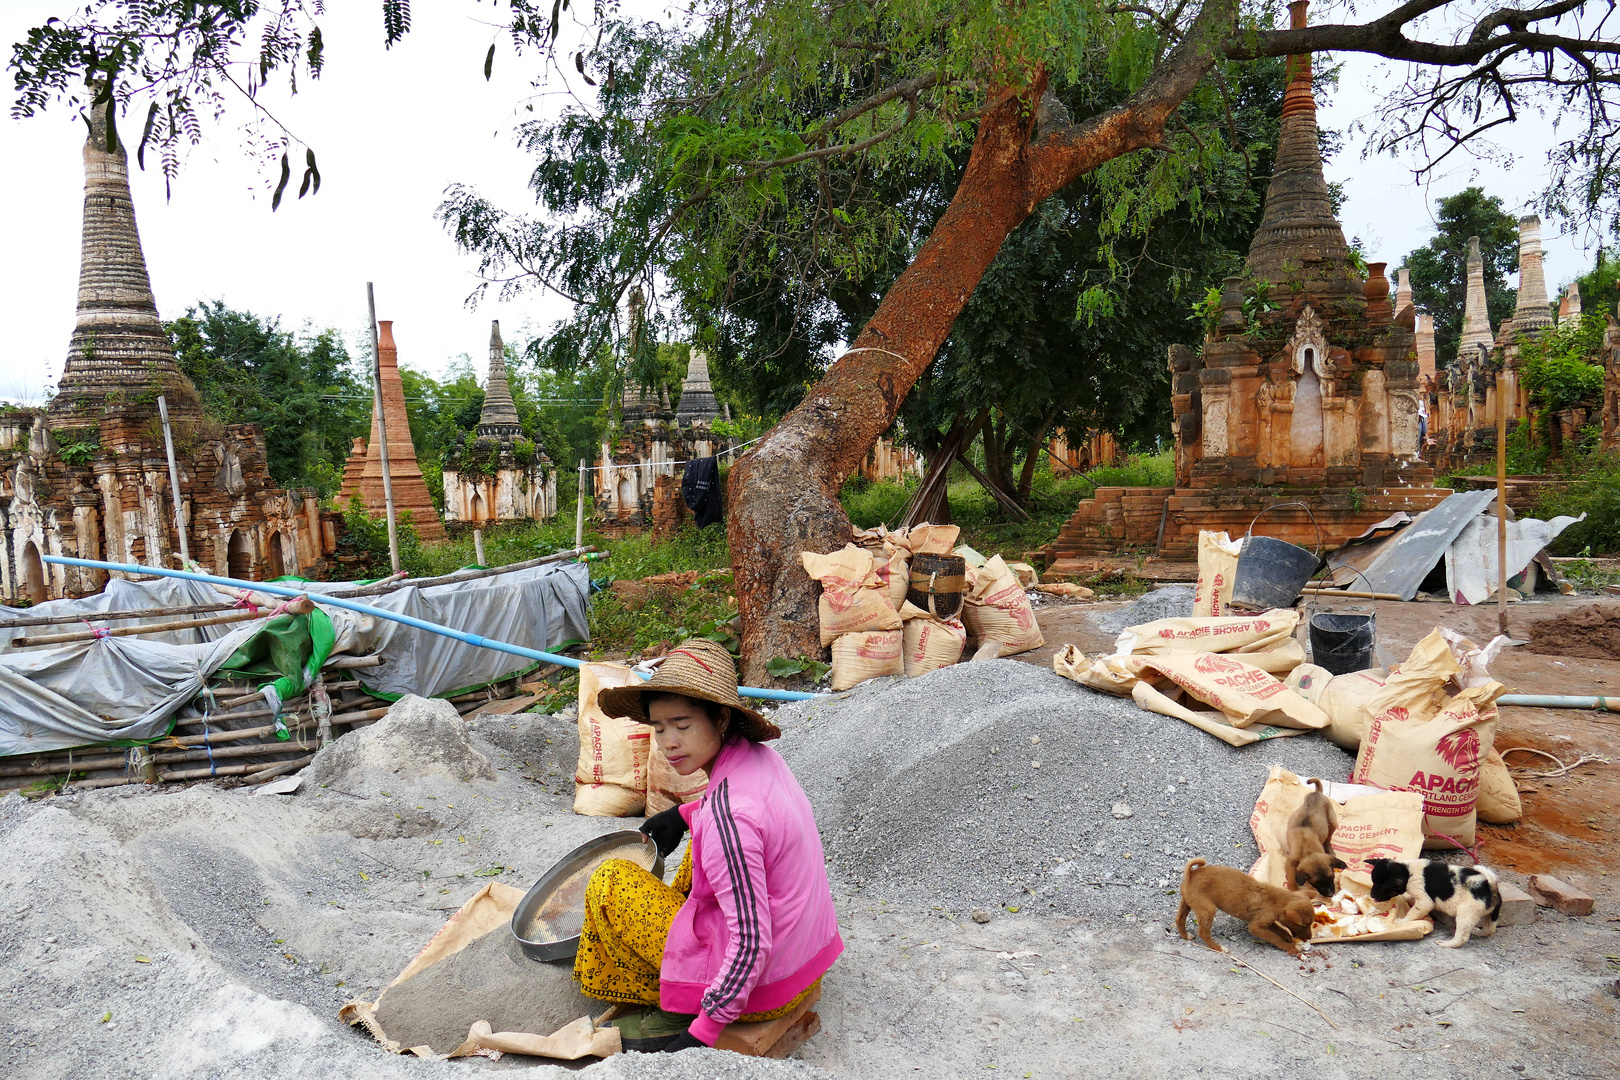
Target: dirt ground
column 1571, row 823
column 212, row 933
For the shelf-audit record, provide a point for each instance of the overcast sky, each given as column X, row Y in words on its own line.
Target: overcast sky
column 392, row 129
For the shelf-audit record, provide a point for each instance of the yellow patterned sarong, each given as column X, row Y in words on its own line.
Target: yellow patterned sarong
column 628, row 913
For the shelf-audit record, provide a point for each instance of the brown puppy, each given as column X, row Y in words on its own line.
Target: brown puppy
column 1205, row 888
column 1309, row 856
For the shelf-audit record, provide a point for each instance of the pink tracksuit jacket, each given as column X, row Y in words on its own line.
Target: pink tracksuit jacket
column 759, row 926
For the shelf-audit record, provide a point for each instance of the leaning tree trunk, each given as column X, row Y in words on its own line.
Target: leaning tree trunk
column 783, row 495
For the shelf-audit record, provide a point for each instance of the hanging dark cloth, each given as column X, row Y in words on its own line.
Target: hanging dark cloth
column 700, row 490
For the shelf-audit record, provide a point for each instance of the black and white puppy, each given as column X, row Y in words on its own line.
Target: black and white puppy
column 1468, row 895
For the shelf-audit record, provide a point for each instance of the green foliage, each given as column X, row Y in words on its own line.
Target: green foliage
column 1439, row 268
column 302, row 389
column 781, row 667
column 79, row 451
column 370, row 536
column 1555, row 368
column 1597, row 495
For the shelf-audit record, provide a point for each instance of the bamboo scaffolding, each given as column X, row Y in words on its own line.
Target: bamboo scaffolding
column 296, row 607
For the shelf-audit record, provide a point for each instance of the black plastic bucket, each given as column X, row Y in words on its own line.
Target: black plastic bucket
column 1272, row 573
column 1343, row 642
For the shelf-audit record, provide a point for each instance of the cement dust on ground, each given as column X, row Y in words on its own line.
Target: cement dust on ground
column 205, row 932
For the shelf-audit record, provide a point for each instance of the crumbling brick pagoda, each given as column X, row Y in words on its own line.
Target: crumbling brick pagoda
column 87, row 476
column 1315, row 400
column 362, row 474
column 498, row 474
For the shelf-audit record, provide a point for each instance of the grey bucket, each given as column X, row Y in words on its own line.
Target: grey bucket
column 1271, row 573
column 1343, row 642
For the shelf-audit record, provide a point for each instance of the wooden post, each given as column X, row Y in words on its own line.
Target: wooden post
column 382, row 432
column 478, row 547
column 174, row 483
column 1501, row 503
column 579, row 512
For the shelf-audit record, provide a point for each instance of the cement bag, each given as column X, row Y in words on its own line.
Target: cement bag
column 1247, row 695
column 1152, row 699
column 1217, row 567
column 862, row 656
column 1343, row 697
column 893, row 572
column 998, row 610
column 1498, row 795
column 1373, row 824
column 1265, row 640
column 611, row 778
column 852, row 598
column 933, row 539
column 666, row 787
column 1112, row 674
column 930, row 643
column 1422, row 738
column 1027, row 575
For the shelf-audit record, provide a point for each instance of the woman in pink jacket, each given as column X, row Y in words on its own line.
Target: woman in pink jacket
column 748, row 928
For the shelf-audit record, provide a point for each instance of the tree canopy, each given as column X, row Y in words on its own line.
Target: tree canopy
column 1440, row 271
column 302, row 389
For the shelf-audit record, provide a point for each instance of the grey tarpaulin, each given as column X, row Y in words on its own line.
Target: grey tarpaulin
column 539, row 608
column 103, row 690
column 116, row 689
column 121, row 594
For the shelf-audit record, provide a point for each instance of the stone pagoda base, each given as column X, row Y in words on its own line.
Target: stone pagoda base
column 1165, row 522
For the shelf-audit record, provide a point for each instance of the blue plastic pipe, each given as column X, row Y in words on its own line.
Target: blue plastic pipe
column 1560, row 701
column 366, row 609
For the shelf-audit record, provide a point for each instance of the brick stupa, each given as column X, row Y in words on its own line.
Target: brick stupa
column 410, row 491
column 1313, row 400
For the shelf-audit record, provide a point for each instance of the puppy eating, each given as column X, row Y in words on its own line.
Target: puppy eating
column 1309, row 856
column 1264, row 907
column 1468, row 895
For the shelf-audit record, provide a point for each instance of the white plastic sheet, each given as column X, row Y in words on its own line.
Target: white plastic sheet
column 1471, row 574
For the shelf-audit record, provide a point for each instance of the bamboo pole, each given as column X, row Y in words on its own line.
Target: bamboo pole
column 350, row 663
column 51, row 768
column 382, row 433
column 1501, row 503
column 297, row 607
column 255, row 749
column 279, row 770
column 229, row 770
column 579, row 509
column 1326, row 591
column 174, row 483
column 114, row 616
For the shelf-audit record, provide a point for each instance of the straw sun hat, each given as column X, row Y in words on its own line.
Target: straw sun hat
column 696, row 669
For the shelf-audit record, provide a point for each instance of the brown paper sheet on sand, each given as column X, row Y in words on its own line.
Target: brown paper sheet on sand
column 1379, row 824
column 489, row 910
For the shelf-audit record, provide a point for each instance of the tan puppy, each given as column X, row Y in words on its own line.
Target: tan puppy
column 1264, row 907
column 1308, row 844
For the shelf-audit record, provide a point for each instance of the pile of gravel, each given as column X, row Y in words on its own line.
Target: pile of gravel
column 997, row 784
column 1170, row 602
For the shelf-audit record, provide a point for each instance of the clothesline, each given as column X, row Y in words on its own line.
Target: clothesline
column 650, row 464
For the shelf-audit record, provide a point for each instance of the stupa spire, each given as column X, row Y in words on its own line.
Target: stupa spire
column 119, row 356
column 697, row 393
column 1476, row 327
column 499, row 418
column 1299, row 247
column 1531, row 313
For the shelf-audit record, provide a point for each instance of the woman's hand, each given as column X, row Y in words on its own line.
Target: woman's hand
column 666, row 830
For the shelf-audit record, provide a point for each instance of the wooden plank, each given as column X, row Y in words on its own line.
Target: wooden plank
column 507, row 706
